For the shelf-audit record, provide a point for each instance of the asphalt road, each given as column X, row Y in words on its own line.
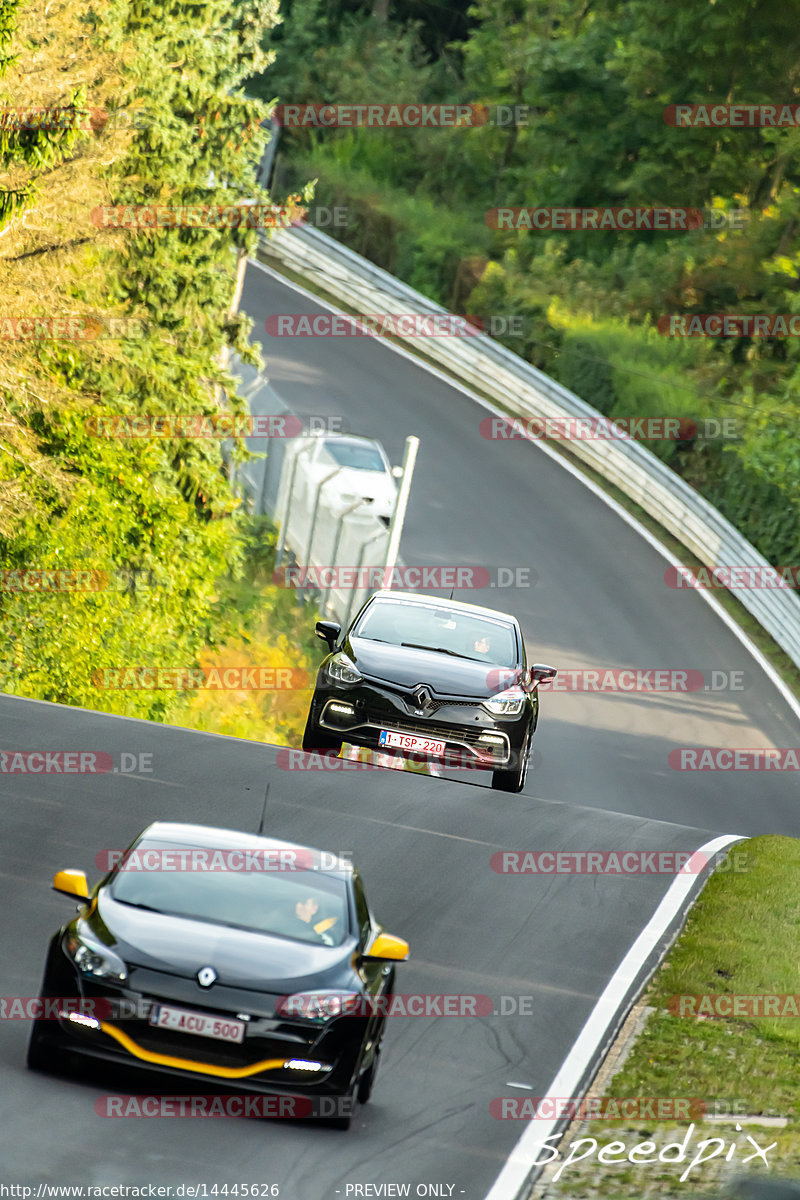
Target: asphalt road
column 599, row 597
column 601, row 780
column 424, row 846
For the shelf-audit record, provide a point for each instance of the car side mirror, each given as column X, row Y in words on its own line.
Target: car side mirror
column 328, row 631
column 387, row 948
column 71, row 883
column 541, row 673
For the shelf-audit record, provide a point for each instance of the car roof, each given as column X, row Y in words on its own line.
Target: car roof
column 216, row 838
column 333, row 436
column 442, row 602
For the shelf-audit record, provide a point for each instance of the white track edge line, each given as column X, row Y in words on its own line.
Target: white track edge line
column 567, row 1082
column 736, row 629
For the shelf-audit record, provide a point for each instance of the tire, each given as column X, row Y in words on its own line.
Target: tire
column 315, row 739
column 514, row 780
column 343, row 1122
column 367, row 1081
column 42, row 1054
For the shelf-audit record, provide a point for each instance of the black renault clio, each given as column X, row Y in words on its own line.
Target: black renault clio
column 213, row 954
column 424, row 676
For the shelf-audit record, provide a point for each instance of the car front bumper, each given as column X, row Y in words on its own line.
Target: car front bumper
column 472, row 736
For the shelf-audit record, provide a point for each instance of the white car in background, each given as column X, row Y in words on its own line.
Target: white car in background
column 364, row 473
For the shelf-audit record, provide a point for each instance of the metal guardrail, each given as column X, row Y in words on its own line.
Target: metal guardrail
column 528, row 393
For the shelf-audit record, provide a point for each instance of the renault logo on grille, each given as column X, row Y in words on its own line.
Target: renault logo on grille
column 422, row 699
column 206, row 976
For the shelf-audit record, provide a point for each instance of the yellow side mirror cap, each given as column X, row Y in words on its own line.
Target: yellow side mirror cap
column 388, row 947
column 71, row 883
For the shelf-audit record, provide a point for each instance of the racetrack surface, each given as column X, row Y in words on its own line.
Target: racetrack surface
column 424, row 846
column 599, row 597
column 601, row 780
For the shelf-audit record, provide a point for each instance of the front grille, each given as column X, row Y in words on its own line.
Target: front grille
column 437, row 704
column 212, row 1051
column 458, row 733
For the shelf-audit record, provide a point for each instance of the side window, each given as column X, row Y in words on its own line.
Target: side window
column 362, row 910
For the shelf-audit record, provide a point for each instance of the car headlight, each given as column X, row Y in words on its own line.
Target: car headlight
column 94, row 960
column 505, row 704
column 342, row 670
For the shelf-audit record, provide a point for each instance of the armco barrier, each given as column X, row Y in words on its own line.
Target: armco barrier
column 526, row 393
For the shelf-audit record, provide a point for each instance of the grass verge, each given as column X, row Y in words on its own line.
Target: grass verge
column 740, row 941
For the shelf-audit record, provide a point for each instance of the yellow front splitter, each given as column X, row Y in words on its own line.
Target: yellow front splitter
column 189, row 1064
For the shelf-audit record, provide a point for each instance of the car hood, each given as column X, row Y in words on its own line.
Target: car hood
column 443, row 674
column 180, row 946
column 363, row 483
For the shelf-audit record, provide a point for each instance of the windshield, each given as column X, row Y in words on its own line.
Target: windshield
column 360, row 456
column 305, row 905
column 465, row 635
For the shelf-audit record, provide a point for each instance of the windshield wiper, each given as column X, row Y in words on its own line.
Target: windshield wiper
column 440, row 650
column 135, row 904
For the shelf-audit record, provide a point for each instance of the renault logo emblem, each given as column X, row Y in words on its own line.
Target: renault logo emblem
column 206, row 976
column 422, row 698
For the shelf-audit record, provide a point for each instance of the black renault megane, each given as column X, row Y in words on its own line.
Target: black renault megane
column 437, row 678
column 218, row 955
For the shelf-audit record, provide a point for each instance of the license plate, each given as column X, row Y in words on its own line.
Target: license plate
column 410, row 741
column 165, row 1017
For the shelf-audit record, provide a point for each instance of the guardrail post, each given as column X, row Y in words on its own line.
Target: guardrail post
column 337, row 539
column 401, row 504
column 359, row 565
column 287, row 507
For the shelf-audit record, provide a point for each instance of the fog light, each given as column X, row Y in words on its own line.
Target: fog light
column 346, row 710
column 496, row 739
column 305, row 1064
column 81, row 1019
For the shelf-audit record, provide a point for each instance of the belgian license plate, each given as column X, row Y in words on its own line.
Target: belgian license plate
column 410, row 741
column 163, row 1016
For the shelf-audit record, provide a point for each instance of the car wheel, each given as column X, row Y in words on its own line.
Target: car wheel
column 43, row 1055
column 514, row 780
column 348, row 1104
column 315, row 739
column 367, row 1081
